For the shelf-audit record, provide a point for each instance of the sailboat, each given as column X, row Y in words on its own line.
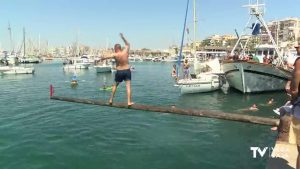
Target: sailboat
column 202, row 82
column 10, row 68
column 251, row 77
column 77, row 62
column 103, row 67
column 28, row 59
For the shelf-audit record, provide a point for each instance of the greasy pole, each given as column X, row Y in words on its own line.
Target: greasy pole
column 175, row 110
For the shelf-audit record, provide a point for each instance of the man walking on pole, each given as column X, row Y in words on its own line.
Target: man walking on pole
column 123, row 70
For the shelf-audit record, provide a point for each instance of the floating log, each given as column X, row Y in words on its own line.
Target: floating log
column 180, row 111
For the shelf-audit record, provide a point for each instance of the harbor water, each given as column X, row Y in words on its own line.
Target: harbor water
column 39, row 133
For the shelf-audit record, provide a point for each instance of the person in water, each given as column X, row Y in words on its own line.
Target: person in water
column 74, row 79
column 270, row 102
column 186, row 69
column 123, row 69
column 253, row 108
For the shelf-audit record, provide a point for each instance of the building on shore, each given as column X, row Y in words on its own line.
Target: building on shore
column 219, row 41
column 286, row 32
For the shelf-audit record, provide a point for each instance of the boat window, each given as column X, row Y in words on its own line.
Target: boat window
column 271, row 52
column 259, row 52
column 265, row 52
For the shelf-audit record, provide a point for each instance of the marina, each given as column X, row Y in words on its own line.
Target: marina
column 165, row 93
column 85, row 122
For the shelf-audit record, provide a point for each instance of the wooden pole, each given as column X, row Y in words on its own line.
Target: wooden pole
column 180, row 111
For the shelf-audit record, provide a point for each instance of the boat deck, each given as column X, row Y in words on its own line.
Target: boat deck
column 284, row 156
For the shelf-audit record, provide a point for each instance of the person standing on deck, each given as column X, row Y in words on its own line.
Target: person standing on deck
column 294, row 136
column 123, row 69
column 186, row 69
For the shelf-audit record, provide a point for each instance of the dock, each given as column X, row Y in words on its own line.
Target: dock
column 284, row 156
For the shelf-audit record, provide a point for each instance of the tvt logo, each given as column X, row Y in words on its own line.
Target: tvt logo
column 261, row 152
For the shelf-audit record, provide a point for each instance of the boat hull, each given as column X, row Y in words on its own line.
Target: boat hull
column 79, row 66
column 200, row 87
column 203, row 83
column 255, row 77
column 19, row 70
column 103, row 69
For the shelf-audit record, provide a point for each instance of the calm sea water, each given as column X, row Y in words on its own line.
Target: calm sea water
column 36, row 132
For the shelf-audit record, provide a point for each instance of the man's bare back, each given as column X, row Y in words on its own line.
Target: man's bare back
column 122, row 60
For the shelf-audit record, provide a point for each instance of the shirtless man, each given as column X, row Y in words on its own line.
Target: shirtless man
column 123, row 69
column 294, row 90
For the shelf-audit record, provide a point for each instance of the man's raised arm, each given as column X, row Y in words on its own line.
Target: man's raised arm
column 108, row 56
column 127, row 45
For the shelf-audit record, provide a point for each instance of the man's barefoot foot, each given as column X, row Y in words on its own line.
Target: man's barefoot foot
column 130, row 104
column 110, row 102
column 274, row 128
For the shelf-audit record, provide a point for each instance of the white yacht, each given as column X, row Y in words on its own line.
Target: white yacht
column 103, row 66
column 205, row 82
column 77, row 63
column 18, row 70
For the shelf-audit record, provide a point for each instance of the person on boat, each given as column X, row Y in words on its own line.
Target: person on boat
column 291, row 60
column 174, row 71
column 186, row 69
column 123, row 69
column 265, row 59
column 294, row 135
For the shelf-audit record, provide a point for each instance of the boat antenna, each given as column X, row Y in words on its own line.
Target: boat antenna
column 182, row 39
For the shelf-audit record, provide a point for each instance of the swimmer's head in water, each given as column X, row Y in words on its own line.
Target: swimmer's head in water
column 254, row 106
column 118, row 48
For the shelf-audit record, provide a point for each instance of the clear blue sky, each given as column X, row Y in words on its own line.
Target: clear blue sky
column 152, row 24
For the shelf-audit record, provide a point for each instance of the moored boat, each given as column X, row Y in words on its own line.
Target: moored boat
column 203, row 83
column 249, row 77
column 18, row 70
column 77, row 63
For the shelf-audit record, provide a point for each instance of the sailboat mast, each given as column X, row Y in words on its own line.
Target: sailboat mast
column 77, row 44
column 39, row 44
column 10, row 38
column 195, row 27
column 24, row 41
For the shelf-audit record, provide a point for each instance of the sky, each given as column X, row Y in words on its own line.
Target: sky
column 154, row 24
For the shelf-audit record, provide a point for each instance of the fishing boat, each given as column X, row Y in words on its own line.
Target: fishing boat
column 250, row 76
column 77, row 63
